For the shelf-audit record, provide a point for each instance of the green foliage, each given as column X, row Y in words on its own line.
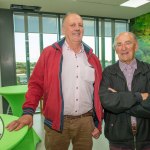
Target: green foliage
column 21, row 67
column 141, row 27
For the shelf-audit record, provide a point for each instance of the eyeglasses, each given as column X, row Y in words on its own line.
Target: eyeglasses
column 127, row 43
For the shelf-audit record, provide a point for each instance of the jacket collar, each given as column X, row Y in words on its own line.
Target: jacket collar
column 58, row 46
column 141, row 68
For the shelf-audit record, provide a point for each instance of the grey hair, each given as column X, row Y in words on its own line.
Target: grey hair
column 130, row 33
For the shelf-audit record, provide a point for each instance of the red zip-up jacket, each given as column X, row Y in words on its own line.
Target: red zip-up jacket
column 45, row 82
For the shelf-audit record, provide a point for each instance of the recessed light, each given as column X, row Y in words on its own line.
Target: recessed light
column 134, row 3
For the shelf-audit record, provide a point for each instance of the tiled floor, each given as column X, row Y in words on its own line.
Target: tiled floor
column 99, row 144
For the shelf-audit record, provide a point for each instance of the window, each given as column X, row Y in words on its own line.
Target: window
column 100, row 40
column 49, row 30
column 20, row 49
column 108, row 42
column 120, row 26
column 33, row 32
column 89, row 37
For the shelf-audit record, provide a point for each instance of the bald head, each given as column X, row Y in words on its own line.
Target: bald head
column 68, row 15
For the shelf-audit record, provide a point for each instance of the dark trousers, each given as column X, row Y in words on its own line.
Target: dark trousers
column 114, row 147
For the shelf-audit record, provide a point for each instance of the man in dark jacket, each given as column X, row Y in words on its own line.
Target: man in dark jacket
column 124, row 93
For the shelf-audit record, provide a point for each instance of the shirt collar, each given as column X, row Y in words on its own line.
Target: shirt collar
column 124, row 66
column 68, row 48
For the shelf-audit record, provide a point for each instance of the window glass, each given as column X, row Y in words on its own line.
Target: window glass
column 34, row 49
column 116, row 57
column 108, row 43
column 100, row 40
column 61, row 26
column 108, row 51
column 19, row 23
column 49, row 39
column 49, row 25
column 33, row 24
column 100, row 48
column 88, row 27
column 20, row 55
column 120, row 27
column 99, row 28
column 90, row 41
column 107, row 29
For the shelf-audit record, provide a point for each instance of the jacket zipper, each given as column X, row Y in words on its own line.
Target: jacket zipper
column 134, row 142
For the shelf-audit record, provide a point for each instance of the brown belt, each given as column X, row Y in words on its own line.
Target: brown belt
column 76, row 117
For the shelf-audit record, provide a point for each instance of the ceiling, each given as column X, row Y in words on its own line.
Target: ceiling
column 101, row 8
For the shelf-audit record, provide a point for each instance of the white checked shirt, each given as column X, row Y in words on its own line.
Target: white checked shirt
column 78, row 78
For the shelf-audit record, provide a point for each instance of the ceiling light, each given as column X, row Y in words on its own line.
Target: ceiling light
column 134, row 3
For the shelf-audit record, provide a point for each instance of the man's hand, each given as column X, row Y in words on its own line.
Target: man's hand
column 144, row 96
column 96, row 133
column 20, row 123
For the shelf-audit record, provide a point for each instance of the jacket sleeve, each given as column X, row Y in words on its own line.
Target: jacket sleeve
column 116, row 102
column 35, row 87
column 141, row 110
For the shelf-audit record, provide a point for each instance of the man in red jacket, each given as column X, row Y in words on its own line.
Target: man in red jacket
column 67, row 76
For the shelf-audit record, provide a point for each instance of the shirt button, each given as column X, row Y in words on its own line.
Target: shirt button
column 76, row 99
column 77, row 66
column 76, row 76
column 76, row 111
column 76, row 87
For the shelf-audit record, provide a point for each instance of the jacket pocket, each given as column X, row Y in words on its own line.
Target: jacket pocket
column 119, row 128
